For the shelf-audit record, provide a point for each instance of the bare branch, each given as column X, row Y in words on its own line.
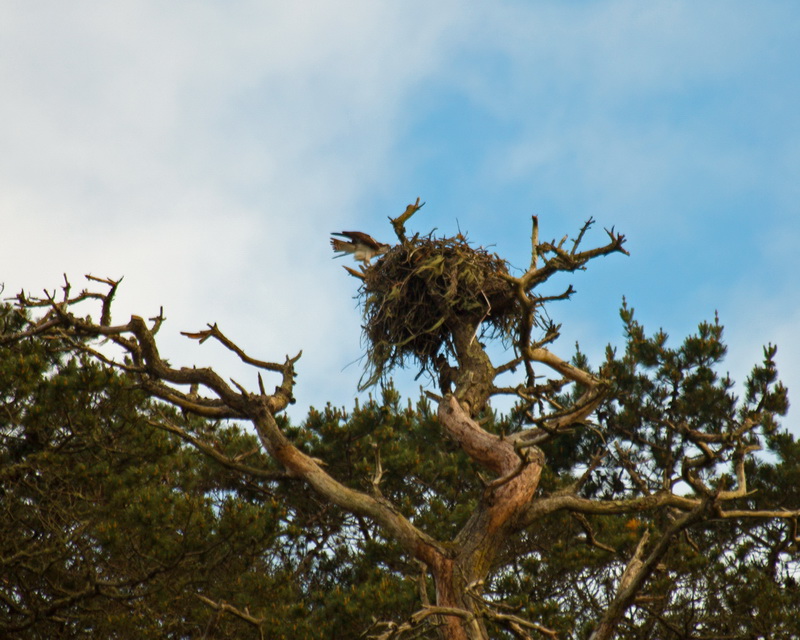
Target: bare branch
column 356, row 274
column 758, row 514
column 568, row 501
column 590, row 537
column 105, row 315
column 492, row 611
column 635, row 564
column 156, row 376
column 534, row 243
column 399, row 223
column 576, row 243
column 485, row 448
column 213, row 331
column 165, row 424
column 638, row 571
column 394, row 630
column 227, row 608
column 417, row 543
column 377, row 476
column 562, row 366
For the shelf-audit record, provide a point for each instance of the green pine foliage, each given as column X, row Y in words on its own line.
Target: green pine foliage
column 108, row 526
column 112, row 528
column 725, row 578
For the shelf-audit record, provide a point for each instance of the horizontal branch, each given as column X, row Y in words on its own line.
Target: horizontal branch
column 227, row 608
column 569, row 502
column 204, row 407
column 563, row 367
column 757, row 513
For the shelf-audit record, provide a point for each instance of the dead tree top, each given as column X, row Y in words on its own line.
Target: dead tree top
column 426, row 289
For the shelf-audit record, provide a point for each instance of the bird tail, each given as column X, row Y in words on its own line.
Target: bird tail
column 341, row 245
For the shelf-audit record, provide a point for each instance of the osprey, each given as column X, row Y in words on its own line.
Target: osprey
column 362, row 246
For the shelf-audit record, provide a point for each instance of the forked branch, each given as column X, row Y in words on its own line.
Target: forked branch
column 399, row 223
column 556, row 258
column 160, row 379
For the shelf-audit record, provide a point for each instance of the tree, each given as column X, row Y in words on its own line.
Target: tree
column 591, row 510
column 109, row 528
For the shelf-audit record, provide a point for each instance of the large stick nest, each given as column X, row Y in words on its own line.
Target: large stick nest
column 421, row 290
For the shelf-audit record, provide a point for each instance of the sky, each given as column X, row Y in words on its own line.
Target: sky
column 205, row 150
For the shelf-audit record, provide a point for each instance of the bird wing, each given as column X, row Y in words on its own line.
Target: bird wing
column 361, row 238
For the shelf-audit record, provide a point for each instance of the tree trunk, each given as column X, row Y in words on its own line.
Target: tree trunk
column 459, row 580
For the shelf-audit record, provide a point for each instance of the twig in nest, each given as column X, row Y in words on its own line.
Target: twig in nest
column 485, row 315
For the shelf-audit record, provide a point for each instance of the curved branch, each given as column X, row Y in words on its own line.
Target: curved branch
column 485, row 448
column 228, row 608
column 156, row 376
column 414, row 541
column 167, row 425
column 570, row 502
column 213, row 331
column 399, row 223
column 540, row 354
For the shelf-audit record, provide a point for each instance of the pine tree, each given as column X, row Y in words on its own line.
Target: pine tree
column 628, row 500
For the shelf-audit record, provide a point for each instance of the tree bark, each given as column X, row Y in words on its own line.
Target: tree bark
column 458, row 580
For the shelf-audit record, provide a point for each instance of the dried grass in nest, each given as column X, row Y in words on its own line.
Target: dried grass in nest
column 420, row 290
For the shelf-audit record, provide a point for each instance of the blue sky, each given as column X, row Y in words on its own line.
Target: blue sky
column 204, row 150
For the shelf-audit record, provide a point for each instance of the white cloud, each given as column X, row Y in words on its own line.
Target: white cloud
column 193, row 146
column 196, row 148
